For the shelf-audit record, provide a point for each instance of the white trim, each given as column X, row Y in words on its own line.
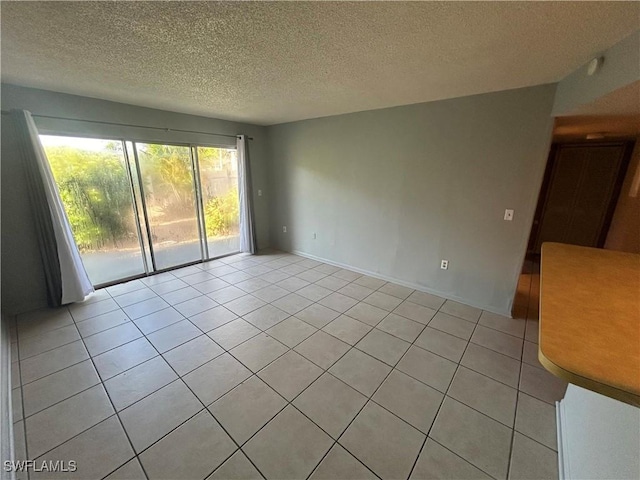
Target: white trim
column 7, row 451
column 563, row 466
column 398, row 281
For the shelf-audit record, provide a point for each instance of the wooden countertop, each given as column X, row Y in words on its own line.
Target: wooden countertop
column 590, row 319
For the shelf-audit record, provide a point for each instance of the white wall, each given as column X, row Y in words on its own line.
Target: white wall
column 23, row 287
column 599, row 437
column 394, row 191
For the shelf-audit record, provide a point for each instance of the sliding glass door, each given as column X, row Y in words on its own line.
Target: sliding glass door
column 95, row 186
column 221, row 204
column 138, row 208
column 169, row 190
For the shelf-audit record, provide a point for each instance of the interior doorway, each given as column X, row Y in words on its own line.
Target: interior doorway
column 590, row 194
column 579, row 193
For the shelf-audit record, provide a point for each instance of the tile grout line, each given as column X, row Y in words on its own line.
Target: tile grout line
column 290, row 402
column 115, row 410
column 513, row 429
column 205, row 408
column 515, row 413
column 217, row 304
column 435, row 418
column 154, row 357
column 159, row 354
column 24, row 419
column 292, row 348
column 178, row 345
column 370, row 399
column 57, row 371
column 116, row 413
column 458, row 364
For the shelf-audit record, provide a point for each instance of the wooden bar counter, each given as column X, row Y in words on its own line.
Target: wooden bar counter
column 590, row 319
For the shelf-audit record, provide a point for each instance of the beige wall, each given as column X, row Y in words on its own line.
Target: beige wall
column 624, row 233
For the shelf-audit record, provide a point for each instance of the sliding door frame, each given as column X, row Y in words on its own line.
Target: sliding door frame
column 144, row 208
column 135, row 207
column 202, row 225
column 141, row 205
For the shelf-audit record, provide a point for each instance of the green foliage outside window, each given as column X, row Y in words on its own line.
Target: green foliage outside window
column 95, row 192
column 168, row 168
column 221, row 214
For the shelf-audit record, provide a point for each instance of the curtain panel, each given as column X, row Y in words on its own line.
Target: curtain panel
column 248, row 242
column 66, row 278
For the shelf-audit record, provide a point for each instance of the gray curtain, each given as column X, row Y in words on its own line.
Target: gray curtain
column 248, row 242
column 66, row 278
column 40, row 208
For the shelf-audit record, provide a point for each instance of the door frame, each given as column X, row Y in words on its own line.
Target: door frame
column 198, row 203
column 627, row 145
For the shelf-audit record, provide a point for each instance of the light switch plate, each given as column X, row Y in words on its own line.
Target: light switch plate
column 508, row 215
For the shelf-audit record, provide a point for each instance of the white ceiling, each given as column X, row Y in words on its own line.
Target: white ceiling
column 276, row 62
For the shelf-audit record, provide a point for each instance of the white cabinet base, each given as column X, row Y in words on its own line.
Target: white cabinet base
column 598, row 437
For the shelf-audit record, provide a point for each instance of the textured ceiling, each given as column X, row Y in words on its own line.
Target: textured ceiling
column 275, row 62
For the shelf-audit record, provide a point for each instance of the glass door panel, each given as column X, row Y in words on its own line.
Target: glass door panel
column 169, row 195
column 218, row 169
column 95, row 188
column 139, row 205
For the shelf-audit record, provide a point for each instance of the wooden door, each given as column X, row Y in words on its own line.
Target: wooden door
column 582, row 189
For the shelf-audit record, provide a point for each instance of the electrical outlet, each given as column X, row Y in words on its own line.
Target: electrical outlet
column 444, row 264
column 284, row 229
column 508, row 215
column 314, row 236
column 259, row 193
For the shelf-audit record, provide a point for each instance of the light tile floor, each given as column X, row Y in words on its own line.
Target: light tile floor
column 282, row 367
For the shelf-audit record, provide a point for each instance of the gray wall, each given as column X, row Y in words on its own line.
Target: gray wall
column 392, row 192
column 620, row 68
column 22, row 284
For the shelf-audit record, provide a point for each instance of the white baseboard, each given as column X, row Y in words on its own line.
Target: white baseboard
column 398, row 281
column 6, row 409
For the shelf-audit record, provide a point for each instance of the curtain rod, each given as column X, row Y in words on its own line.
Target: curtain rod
column 6, row 112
